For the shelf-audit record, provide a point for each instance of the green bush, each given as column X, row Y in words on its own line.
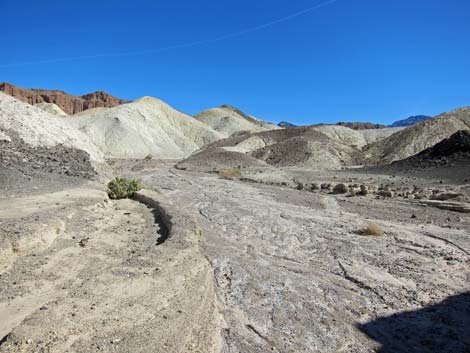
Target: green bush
column 121, row 188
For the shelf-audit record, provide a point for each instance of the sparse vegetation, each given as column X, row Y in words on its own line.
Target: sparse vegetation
column 230, row 174
column 364, row 190
column 340, row 188
column 314, row 187
column 372, row 229
column 121, row 188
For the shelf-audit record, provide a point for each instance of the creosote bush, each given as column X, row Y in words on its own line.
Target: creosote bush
column 121, row 188
column 372, row 229
column 230, row 174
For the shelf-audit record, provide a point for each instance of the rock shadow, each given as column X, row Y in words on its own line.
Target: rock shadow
column 440, row 328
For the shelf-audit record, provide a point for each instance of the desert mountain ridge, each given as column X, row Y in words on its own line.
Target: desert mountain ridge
column 412, row 120
column 69, row 103
column 225, row 119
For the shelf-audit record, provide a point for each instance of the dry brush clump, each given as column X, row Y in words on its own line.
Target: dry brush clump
column 230, row 174
column 372, row 229
column 121, row 188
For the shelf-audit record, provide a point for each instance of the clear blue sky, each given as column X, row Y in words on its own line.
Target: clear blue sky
column 351, row 60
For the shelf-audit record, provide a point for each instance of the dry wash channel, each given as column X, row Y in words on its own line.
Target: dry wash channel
column 81, row 273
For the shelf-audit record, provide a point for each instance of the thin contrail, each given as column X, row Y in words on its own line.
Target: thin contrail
column 178, row 46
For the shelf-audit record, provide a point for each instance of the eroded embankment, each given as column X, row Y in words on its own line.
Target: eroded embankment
column 180, row 229
column 103, row 285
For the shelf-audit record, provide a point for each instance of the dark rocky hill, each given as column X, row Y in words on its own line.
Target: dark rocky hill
column 456, row 148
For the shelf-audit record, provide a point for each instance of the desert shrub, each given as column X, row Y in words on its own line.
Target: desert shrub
column 364, row 191
column 313, row 187
column 121, row 188
column 230, row 174
column 352, row 191
column 340, row 189
column 372, row 229
column 385, row 193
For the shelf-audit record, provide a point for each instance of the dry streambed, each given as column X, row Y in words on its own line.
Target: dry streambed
column 81, row 273
column 210, row 265
column 292, row 273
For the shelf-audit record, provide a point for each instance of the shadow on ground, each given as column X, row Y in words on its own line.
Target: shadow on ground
column 440, row 328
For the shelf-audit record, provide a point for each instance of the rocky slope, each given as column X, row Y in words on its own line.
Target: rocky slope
column 68, row 103
column 448, row 159
column 416, row 138
column 456, row 146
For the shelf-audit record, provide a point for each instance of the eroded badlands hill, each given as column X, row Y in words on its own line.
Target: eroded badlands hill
column 228, row 120
column 145, row 127
column 321, row 146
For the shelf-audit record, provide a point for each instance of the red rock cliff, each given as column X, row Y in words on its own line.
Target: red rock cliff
column 69, row 103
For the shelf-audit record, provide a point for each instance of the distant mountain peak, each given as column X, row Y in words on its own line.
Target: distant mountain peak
column 412, row 120
column 286, row 124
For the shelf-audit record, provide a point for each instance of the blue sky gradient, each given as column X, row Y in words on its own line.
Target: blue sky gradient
column 347, row 60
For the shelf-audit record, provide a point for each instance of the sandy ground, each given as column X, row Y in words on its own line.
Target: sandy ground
column 248, row 267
